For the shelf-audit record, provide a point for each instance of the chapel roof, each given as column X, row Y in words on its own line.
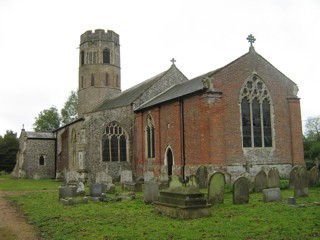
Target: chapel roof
column 128, row 96
column 41, row 135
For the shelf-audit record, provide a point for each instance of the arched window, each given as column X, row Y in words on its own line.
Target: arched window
column 82, row 57
column 256, row 114
column 41, row 160
column 150, row 138
column 114, row 144
column 106, row 55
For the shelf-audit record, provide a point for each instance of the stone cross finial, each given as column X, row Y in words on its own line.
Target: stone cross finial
column 247, row 166
column 173, row 60
column 251, row 39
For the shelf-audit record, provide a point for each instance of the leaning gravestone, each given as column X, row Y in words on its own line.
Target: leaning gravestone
column 273, row 178
column 260, row 181
column 301, row 182
column 216, row 187
column 292, row 176
column 151, row 192
column 202, row 177
column 241, row 190
column 313, row 176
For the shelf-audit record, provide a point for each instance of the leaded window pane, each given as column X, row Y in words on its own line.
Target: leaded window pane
column 256, row 122
column 246, row 123
column 114, row 149
column 266, row 123
column 152, row 143
column 123, row 148
column 106, row 149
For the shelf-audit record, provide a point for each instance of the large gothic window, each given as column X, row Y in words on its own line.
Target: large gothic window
column 150, row 138
column 114, row 143
column 106, row 55
column 256, row 114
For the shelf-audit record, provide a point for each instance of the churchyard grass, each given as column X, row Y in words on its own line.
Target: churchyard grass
column 136, row 220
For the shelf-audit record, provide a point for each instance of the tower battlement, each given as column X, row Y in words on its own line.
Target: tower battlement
column 99, row 35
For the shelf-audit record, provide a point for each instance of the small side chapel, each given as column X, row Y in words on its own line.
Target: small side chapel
column 236, row 119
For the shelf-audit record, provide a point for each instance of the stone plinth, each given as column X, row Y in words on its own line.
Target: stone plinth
column 183, row 203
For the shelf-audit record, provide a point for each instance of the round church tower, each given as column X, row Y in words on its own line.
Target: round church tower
column 99, row 69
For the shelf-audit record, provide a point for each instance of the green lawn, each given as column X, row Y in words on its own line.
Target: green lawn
column 135, row 220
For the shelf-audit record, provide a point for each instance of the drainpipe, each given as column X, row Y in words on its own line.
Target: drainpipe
column 183, row 152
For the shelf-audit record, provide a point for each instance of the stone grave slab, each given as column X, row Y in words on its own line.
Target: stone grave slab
column 273, row 178
column 260, row 181
column 241, row 189
column 202, row 177
column 292, row 176
column 216, row 188
column 313, row 176
column 126, row 176
column 151, row 192
column 271, row 195
column 96, row 189
column 301, row 182
column 67, row 192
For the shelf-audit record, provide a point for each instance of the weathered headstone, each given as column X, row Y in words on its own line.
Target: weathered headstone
column 80, row 188
column 292, row 176
column 241, row 190
column 216, row 187
column 126, row 176
column 110, row 188
column 103, row 177
column 175, row 182
column 96, row 189
column 313, row 176
column 148, row 176
column 271, row 195
column 192, row 180
column 301, row 182
column 72, row 177
column 151, row 192
column 67, row 192
column 260, row 181
column 273, row 178
column 202, row 177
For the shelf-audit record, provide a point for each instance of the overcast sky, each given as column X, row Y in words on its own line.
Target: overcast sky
column 39, row 42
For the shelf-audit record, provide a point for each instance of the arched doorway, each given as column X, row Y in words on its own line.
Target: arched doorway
column 169, row 157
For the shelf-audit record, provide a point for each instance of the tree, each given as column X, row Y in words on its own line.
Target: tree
column 69, row 112
column 9, row 146
column 47, row 120
column 312, row 138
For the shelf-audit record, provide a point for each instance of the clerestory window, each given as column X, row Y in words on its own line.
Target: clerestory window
column 150, row 137
column 114, row 144
column 256, row 114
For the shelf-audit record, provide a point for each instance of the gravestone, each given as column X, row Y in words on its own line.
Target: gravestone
column 103, row 177
column 301, row 182
column 241, row 188
column 151, row 192
column 273, row 178
column 216, row 187
column 292, row 176
column 313, row 176
column 260, row 181
column 67, row 192
column 126, row 176
column 175, row 182
column 192, row 180
column 96, row 190
column 80, row 188
column 271, row 195
column 202, row 177
column 72, row 178
column 148, row 176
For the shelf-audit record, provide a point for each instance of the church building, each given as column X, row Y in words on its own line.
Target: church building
column 236, row 119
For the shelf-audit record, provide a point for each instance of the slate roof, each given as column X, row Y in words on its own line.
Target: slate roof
column 128, row 96
column 178, row 91
column 42, row 135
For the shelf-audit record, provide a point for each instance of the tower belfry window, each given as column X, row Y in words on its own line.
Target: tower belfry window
column 82, row 57
column 106, row 55
column 256, row 114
